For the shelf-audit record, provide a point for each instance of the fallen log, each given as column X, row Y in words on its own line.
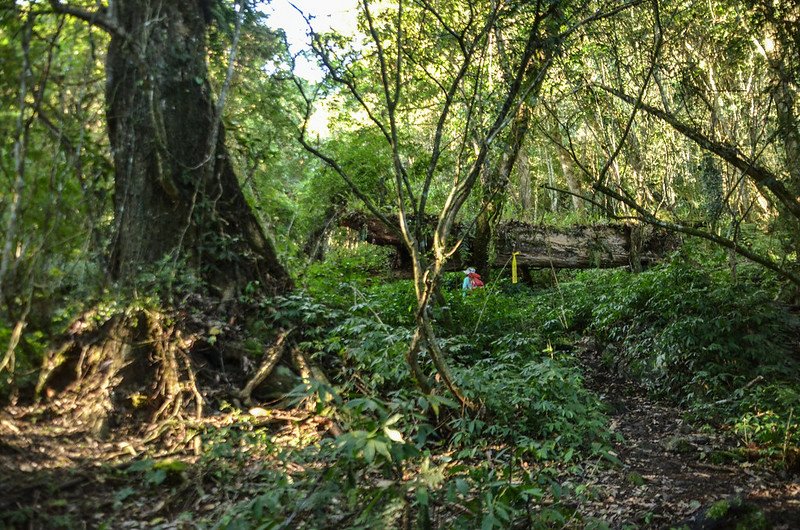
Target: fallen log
column 575, row 247
column 583, row 247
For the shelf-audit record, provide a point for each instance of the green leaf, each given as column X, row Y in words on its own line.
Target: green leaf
column 536, row 493
column 156, row 477
column 422, row 496
column 123, row 494
column 141, row 465
column 171, row 465
column 393, row 435
column 369, row 451
column 382, row 448
column 394, row 419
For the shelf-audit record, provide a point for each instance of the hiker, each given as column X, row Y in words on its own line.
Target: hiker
column 472, row 280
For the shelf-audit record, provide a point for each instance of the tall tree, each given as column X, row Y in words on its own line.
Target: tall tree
column 730, row 92
column 178, row 208
column 176, row 195
column 494, row 182
column 710, row 134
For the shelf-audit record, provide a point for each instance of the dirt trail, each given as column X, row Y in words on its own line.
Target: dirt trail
column 668, row 477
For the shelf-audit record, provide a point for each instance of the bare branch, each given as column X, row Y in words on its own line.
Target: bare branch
column 403, row 182
column 761, row 176
column 656, row 50
column 649, row 218
column 468, row 52
column 318, row 48
column 599, row 15
column 524, row 83
column 330, row 162
column 97, row 18
column 590, row 200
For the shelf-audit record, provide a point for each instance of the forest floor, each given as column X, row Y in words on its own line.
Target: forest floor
column 673, row 471
column 57, row 474
column 54, row 474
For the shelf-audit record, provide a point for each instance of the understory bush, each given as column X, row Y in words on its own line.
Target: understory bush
column 686, row 330
column 692, row 332
column 343, row 483
column 530, row 392
column 343, row 269
column 532, row 397
column 409, row 456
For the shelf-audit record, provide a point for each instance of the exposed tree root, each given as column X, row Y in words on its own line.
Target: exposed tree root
column 175, row 383
column 310, row 373
column 271, row 358
column 137, row 368
column 132, row 365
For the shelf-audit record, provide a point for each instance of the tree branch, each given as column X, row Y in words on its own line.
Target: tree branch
column 331, row 163
column 761, row 176
column 656, row 50
column 649, row 218
column 97, row 18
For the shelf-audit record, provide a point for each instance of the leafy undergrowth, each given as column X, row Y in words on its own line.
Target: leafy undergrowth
column 367, row 450
column 725, row 349
column 402, row 458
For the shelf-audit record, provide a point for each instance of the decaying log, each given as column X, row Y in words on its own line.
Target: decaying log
column 371, row 229
column 583, row 247
column 577, row 247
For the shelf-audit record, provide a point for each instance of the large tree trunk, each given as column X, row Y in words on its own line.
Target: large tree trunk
column 177, row 201
column 177, row 197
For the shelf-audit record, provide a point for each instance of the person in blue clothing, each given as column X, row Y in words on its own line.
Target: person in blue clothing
column 472, row 280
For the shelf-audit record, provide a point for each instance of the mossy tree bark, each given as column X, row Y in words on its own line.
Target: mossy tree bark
column 177, row 197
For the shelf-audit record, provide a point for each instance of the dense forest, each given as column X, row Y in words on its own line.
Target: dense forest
column 235, row 295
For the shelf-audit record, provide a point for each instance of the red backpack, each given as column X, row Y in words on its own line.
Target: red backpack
column 475, row 280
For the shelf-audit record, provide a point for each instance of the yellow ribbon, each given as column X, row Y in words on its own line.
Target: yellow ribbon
column 514, row 267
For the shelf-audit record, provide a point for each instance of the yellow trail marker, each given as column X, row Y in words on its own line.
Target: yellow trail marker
column 514, row 267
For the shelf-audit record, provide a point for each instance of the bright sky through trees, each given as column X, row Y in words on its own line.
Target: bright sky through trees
column 339, row 15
